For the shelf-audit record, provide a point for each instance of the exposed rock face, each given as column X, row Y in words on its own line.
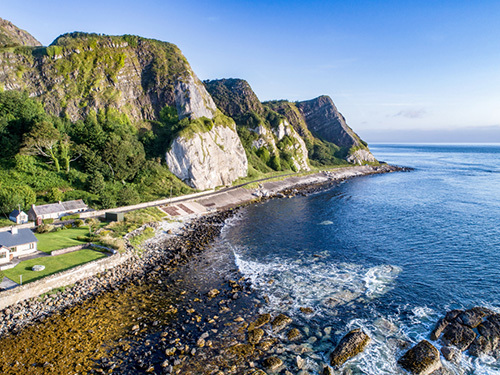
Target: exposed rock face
column 81, row 72
column 323, row 118
column 234, row 97
column 422, row 359
column 351, row 344
column 192, row 99
column 210, row 159
column 298, row 149
column 10, row 36
column 361, row 155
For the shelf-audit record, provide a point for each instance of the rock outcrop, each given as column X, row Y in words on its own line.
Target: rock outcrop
column 422, row 359
column 323, row 118
column 457, row 332
column 192, row 99
column 11, row 36
column 209, row 159
column 351, row 345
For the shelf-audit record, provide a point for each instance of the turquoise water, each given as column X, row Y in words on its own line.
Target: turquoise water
column 390, row 253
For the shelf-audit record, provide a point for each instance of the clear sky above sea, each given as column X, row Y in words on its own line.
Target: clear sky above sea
column 401, row 71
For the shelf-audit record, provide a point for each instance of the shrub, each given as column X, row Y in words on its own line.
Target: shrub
column 48, row 221
column 44, row 228
column 78, row 223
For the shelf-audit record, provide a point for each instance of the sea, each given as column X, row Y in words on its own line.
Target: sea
column 389, row 253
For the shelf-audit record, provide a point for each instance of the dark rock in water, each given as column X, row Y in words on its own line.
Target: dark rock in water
column 489, row 329
column 327, row 371
column 272, row 363
column 307, row 310
column 351, row 344
column 260, row 321
column 422, row 359
column 451, row 315
column 482, row 346
column 473, row 317
column 255, row 335
column 440, row 326
column 450, row 353
column 458, row 335
column 265, row 345
column 280, row 322
column 293, row 334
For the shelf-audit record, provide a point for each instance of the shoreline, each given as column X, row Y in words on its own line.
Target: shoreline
column 17, row 316
column 168, row 249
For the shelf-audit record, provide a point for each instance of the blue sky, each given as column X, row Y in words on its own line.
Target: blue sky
column 398, row 71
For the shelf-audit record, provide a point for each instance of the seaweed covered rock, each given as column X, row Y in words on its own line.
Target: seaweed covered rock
column 351, row 345
column 422, row 359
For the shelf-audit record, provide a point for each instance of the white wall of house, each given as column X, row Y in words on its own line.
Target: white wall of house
column 25, row 249
column 4, row 256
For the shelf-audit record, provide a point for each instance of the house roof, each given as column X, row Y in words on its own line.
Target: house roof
column 22, row 237
column 55, row 208
column 16, row 213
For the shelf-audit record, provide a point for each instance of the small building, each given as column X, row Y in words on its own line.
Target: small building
column 114, row 216
column 18, row 217
column 56, row 210
column 15, row 243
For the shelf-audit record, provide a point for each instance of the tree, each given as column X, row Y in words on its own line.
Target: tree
column 42, row 140
column 11, row 197
column 96, row 183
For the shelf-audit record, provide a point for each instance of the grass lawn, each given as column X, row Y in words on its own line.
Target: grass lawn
column 52, row 265
column 61, row 239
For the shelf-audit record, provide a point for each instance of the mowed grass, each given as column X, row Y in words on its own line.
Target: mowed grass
column 52, row 265
column 48, row 242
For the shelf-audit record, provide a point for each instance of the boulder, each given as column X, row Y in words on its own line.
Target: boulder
column 422, row 359
column 473, row 317
column 272, row 363
column 351, row 344
column 439, row 328
column 482, row 346
column 490, row 330
column 280, row 322
column 261, row 320
column 255, row 335
column 458, row 335
column 450, row 353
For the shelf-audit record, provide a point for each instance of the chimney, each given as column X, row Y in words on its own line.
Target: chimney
column 13, row 230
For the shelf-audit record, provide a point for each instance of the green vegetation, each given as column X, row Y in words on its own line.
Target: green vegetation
column 102, row 159
column 52, row 265
column 146, row 234
column 60, row 239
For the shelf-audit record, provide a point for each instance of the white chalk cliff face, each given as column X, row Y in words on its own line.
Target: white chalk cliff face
column 360, row 156
column 207, row 159
column 192, row 99
column 299, row 150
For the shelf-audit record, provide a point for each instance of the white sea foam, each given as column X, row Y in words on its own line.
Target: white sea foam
column 326, row 222
column 312, row 281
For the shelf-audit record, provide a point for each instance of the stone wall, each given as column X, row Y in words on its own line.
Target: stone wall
column 36, row 288
column 69, row 249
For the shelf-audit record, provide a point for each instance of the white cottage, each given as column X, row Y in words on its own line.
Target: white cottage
column 56, row 210
column 15, row 243
column 18, row 217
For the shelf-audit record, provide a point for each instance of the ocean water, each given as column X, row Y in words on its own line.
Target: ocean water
column 389, row 253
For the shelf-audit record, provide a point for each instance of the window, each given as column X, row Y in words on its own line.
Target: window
column 13, row 249
column 32, row 245
column 3, row 255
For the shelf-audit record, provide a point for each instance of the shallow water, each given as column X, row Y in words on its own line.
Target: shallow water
column 390, row 253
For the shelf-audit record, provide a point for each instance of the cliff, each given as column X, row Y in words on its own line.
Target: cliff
column 12, row 36
column 271, row 138
column 81, row 73
column 125, row 108
column 319, row 120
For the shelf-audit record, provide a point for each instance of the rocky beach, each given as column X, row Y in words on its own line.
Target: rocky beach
column 160, row 311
